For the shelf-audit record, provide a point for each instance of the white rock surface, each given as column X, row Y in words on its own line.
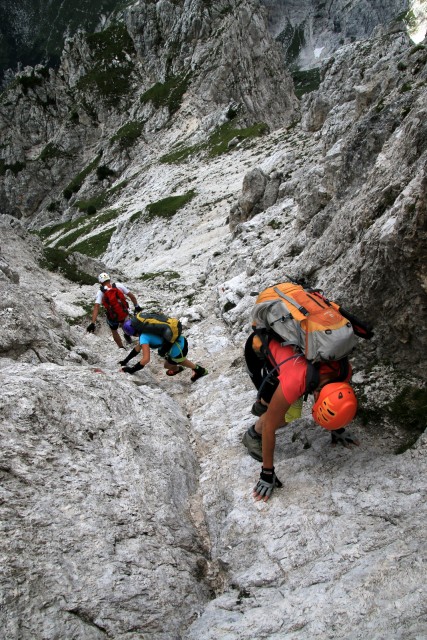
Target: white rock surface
column 127, row 507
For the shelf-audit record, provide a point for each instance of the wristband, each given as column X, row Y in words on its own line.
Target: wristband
column 267, row 474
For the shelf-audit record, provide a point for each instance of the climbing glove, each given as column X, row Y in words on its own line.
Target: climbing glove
column 91, row 327
column 344, row 438
column 137, row 367
column 266, row 484
column 137, row 308
column 129, row 356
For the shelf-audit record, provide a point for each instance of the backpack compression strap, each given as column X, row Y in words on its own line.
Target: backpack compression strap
column 291, row 301
column 267, row 353
column 312, row 378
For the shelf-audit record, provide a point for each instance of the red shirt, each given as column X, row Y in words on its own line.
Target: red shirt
column 292, row 373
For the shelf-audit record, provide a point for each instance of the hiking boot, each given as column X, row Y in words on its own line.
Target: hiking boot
column 253, row 443
column 199, row 372
column 258, row 408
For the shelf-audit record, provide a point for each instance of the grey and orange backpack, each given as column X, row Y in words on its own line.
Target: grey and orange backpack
column 304, row 318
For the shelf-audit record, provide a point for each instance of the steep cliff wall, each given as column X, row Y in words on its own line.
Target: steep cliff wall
column 126, row 507
column 131, row 80
column 311, row 31
column 33, row 32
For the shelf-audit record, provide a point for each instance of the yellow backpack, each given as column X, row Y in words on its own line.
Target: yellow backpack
column 169, row 329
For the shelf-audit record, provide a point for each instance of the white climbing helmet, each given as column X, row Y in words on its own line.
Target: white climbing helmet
column 103, row 277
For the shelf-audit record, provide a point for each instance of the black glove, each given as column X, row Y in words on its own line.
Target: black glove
column 129, row 356
column 266, row 483
column 343, row 437
column 91, row 327
column 137, row 309
column 137, row 367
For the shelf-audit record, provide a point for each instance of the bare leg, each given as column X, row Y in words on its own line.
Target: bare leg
column 174, row 367
column 117, row 338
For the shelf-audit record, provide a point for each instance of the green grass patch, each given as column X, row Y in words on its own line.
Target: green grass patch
column 92, row 205
column 294, row 41
column 418, row 47
column 136, row 216
column 75, row 185
column 168, row 207
column 167, row 94
column 168, row 275
column 56, row 260
column 218, row 141
column 46, row 232
column 180, row 155
column 306, row 81
column 408, row 17
column 95, row 246
column 127, row 135
column 110, row 74
column 67, row 239
column 52, row 152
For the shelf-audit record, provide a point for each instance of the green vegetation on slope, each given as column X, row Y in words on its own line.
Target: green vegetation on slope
column 56, row 260
column 167, row 207
column 50, row 22
column 218, row 142
column 306, row 81
column 128, row 134
column 167, row 94
column 110, row 74
column 78, row 180
column 67, row 239
column 95, row 246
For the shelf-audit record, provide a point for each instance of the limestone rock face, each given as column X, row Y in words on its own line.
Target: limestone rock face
column 162, row 60
column 253, row 190
column 259, row 192
column 126, row 504
column 363, row 187
column 311, row 32
column 104, row 486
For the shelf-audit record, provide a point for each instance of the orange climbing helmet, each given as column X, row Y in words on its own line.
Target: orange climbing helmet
column 335, row 406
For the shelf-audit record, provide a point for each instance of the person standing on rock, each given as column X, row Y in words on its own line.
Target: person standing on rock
column 113, row 297
column 175, row 353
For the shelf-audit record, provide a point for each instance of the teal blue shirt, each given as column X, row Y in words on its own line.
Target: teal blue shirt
column 154, row 342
